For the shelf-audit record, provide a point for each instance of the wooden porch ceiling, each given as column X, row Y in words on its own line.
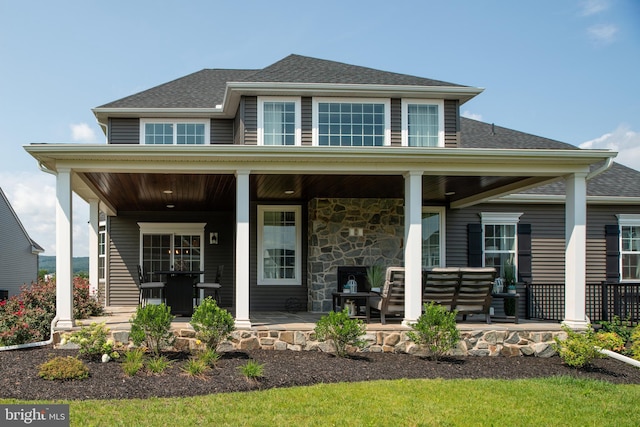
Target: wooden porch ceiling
column 187, row 192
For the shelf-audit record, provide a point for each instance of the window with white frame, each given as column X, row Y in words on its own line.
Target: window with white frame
column 423, row 123
column 351, row 123
column 279, row 245
column 174, row 132
column 629, row 246
column 433, row 238
column 279, row 121
column 500, row 242
column 102, row 250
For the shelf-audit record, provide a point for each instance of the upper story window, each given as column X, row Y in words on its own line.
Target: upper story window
column 422, row 123
column 279, row 121
column 346, row 123
column 629, row 246
column 174, row 132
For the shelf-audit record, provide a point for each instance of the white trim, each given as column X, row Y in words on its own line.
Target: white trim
column 500, row 218
column 440, row 210
column 626, row 220
column 297, row 209
column 405, row 118
column 174, row 121
column 298, row 120
column 387, row 116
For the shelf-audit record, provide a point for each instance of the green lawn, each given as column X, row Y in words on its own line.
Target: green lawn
column 561, row 401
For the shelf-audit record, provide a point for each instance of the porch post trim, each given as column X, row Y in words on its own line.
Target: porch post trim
column 413, row 247
column 242, row 250
column 576, row 251
column 64, row 250
column 93, row 245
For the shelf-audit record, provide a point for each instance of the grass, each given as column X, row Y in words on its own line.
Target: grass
column 562, row 401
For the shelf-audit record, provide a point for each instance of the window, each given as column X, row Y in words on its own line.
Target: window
column 351, row 124
column 279, row 245
column 102, row 250
column 171, row 246
column 433, row 237
column 629, row 246
column 279, row 121
column 500, row 243
column 175, row 132
column 422, row 123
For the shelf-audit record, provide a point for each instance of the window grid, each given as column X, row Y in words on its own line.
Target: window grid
column 630, row 253
column 102, row 252
column 351, row 124
column 500, row 247
column 430, row 239
column 190, row 134
column 156, row 256
column 423, row 125
column 158, row 133
column 279, row 123
column 186, row 249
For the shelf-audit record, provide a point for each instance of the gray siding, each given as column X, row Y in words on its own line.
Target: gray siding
column 124, row 131
column 221, row 131
column 18, row 264
column 307, row 121
column 451, row 123
column 250, row 120
column 396, row 122
column 124, row 251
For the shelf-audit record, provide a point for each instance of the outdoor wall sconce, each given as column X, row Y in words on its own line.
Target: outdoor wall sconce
column 213, row 238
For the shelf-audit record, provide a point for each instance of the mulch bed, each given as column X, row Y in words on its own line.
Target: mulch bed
column 19, row 373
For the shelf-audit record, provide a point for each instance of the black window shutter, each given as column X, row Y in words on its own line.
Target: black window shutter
column 474, row 243
column 612, row 249
column 524, row 253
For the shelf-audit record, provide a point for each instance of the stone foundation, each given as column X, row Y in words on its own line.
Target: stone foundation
column 472, row 343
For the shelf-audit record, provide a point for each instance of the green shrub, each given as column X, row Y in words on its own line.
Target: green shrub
column 252, row 370
column 92, row 340
column 158, row 365
column 212, row 323
column 609, row 341
column 133, row 361
column 342, row 330
column 151, row 325
column 635, row 343
column 435, row 330
column 63, row 368
column 579, row 348
column 619, row 327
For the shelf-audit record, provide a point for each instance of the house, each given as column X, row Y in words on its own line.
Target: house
column 18, row 252
column 283, row 174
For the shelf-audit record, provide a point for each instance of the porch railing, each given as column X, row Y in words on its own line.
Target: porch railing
column 603, row 301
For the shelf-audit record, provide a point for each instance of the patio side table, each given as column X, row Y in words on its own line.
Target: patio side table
column 508, row 296
column 361, row 299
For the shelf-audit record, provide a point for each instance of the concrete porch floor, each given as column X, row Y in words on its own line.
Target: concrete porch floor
column 117, row 319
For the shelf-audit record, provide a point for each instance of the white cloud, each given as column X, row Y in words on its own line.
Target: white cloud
column 82, row 132
column 33, row 198
column 603, row 33
column 592, row 7
column 623, row 140
column 468, row 114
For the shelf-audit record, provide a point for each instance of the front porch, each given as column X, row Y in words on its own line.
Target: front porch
column 281, row 330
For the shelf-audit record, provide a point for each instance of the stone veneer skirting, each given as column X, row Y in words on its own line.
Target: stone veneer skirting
column 472, row 343
column 331, row 245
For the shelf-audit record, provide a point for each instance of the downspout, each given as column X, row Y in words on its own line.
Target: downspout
column 33, row 344
column 607, row 164
column 620, row 357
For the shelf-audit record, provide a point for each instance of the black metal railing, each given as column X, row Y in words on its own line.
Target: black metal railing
column 603, row 302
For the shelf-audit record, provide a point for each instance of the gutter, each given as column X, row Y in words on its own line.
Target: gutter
column 33, row 344
column 607, row 164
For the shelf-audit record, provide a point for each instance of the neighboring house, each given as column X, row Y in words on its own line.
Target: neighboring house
column 18, row 252
column 286, row 173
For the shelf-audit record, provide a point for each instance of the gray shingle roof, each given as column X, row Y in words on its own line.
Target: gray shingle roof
column 206, row 88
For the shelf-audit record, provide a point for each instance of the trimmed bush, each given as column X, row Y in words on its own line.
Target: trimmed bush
column 436, row 330
column 63, row 368
column 342, row 330
column 579, row 349
column 151, row 325
column 212, row 323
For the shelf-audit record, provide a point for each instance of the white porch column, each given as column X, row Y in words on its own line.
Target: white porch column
column 242, row 250
column 93, row 245
column 64, row 250
column 413, row 246
column 576, row 251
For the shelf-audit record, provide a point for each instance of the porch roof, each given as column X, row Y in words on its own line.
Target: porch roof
column 134, row 177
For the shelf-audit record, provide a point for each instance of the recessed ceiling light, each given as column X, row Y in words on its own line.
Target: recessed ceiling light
column 449, row 193
column 171, row 206
column 168, row 191
column 289, row 192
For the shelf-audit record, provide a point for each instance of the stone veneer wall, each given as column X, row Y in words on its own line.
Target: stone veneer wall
column 330, row 246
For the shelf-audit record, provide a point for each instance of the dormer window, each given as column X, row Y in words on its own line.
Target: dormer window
column 422, row 123
column 174, row 132
column 279, row 121
column 351, row 123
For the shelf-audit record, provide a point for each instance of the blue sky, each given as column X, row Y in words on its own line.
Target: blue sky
column 567, row 70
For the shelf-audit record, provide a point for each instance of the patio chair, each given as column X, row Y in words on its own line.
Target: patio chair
column 144, row 285
column 215, row 286
column 441, row 285
column 391, row 299
column 474, row 295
